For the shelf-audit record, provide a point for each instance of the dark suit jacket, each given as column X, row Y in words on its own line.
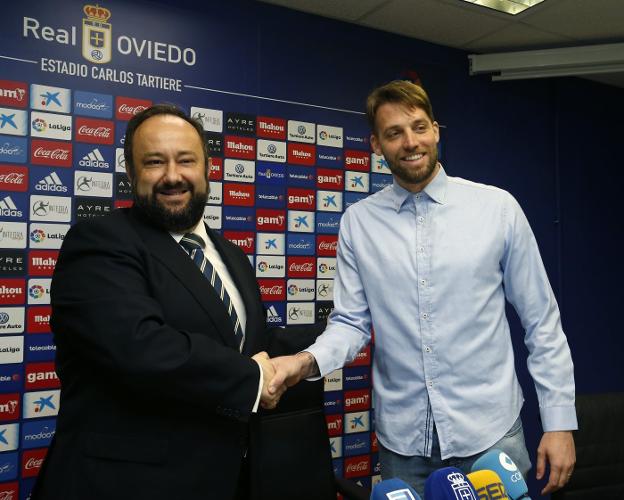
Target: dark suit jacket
column 155, row 398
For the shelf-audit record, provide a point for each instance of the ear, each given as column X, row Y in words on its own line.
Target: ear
column 436, row 131
column 375, row 145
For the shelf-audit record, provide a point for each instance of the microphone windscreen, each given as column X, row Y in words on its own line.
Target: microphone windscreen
column 394, row 489
column 449, row 483
column 507, row 470
column 488, row 485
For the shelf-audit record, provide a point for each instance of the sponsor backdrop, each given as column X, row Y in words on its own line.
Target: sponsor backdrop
column 280, row 96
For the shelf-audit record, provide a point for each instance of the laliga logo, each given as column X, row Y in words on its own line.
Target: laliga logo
column 37, row 235
column 96, row 34
column 39, row 125
column 36, row 291
column 262, row 266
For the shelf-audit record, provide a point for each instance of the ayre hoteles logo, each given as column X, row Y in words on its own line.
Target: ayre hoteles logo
column 87, row 208
column 239, row 123
column 12, row 262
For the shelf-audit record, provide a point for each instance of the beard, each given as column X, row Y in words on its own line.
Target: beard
column 410, row 176
column 177, row 221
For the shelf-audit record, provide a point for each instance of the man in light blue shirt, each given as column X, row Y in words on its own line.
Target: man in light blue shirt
column 429, row 263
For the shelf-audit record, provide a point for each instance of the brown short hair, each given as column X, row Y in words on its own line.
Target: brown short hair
column 401, row 92
column 155, row 110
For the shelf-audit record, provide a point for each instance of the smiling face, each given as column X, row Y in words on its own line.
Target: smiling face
column 408, row 140
column 170, row 178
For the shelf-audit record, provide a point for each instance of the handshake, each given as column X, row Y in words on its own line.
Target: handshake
column 282, row 372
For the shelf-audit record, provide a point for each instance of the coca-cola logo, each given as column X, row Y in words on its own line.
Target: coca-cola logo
column 52, row 154
column 328, row 245
column 33, row 463
column 104, row 132
column 13, row 178
column 272, row 290
column 131, row 110
column 303, row 267
column 7, row 495
column 361, row 466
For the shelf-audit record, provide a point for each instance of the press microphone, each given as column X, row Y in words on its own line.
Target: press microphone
column 488, row 485
column 449, row 483
column 499, row 462
column 394, row 489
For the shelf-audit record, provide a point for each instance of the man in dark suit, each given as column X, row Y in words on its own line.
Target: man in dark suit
column 159, row 380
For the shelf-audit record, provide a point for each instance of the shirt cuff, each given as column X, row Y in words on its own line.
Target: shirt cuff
column 559, row 418
column 260, row 383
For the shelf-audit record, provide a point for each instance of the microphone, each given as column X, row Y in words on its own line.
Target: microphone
column 499, row 462
column 394, row 489
column 488, row 484
column 449, row 483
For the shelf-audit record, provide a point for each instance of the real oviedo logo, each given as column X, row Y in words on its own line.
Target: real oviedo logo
column 98, row 43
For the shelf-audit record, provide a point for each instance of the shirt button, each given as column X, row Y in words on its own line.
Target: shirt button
column 430, row 383
column 427, row 349
column 421, row 219
column 421, row 249
column 424, row 315
column 423, row 282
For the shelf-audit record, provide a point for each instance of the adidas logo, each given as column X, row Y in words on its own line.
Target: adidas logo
column 51, row 182
column 272, row 315
column 94, row 160
column 8, row 208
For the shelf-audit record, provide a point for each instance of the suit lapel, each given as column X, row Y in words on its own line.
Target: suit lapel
column 171, row 255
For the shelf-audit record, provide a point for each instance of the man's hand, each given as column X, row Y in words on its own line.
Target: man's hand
column 289, row 370
column 556, row 449
column 268, row 399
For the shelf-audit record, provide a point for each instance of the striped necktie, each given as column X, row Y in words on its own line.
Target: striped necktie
column 193, row 244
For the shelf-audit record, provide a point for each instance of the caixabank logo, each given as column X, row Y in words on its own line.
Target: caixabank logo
column 98, row 45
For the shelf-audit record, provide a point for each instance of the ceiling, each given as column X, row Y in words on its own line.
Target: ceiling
column 479, row 30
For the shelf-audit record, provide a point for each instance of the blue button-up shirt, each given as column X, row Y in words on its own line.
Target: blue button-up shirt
column 430, row 272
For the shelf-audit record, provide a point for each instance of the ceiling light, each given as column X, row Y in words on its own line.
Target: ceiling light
column 570, row 61
column 512, row 7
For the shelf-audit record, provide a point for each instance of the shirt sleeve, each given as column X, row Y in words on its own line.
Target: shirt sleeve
column 260, row 383
column 349, row 325
column 527, row 288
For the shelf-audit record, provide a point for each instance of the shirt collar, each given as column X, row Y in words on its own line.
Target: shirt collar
column 199, row 230
column 436, row 190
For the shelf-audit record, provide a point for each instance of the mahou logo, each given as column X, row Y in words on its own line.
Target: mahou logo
column 326, row 245
column 238, row 194
column 127, row 107
column 246, row 240
column 301, row 267
column 272, row 290
column 240, row 147
column 95, row 131
column 13, row 178
column 42, row 262
column 271, row 128
column 32, row 461
column 14, row 94
column 301, row 154
column 357, row 466
column 216, row 169
column 38, row 319
column 55, row 153
column 12, row 291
